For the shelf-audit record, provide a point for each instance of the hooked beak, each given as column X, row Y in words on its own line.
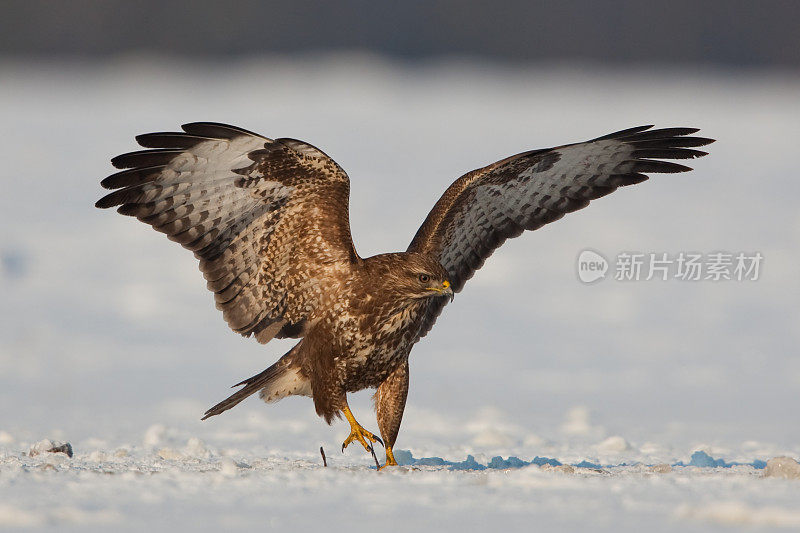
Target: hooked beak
column 444, row 290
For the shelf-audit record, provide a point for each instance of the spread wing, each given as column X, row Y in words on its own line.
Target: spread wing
column 483, row 208
column 268, row 219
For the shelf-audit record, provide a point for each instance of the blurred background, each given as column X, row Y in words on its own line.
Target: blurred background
column 106, row 328
column 712, row 32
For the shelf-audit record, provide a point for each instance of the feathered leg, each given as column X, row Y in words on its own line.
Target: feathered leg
column 390, row 402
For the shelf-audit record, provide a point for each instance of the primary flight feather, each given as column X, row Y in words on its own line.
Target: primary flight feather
column 268, row 220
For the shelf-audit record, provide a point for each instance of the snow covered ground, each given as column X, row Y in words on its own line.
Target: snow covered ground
column 109, row 341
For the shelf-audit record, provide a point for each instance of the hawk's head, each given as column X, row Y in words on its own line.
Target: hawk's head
column 411, row 275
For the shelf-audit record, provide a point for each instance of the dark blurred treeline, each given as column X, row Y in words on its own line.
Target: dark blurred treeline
column 722, row 32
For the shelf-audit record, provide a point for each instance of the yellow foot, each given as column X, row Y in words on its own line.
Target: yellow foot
column 358, row 433
column 361, row 435
column 389, row 458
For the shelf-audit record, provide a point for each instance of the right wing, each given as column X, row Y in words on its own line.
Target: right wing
column 268, row 219
column 485, row 207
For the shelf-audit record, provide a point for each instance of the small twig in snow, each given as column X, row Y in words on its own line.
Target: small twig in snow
column 372, row 451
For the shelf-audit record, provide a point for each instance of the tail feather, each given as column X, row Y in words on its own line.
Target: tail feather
column 251, row 386
column 278, row 381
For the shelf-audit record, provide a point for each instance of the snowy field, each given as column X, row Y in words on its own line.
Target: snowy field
column 109, row 341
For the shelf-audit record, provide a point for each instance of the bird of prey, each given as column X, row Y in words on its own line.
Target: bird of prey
column 268, row 221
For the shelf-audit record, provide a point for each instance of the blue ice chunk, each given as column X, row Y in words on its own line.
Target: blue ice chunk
column 501, row 464
column 541, row 461
column 469, row 464
column 431, row 461
column 703, row 460
column 699, row 458
column 404, row 457
column 497, row 462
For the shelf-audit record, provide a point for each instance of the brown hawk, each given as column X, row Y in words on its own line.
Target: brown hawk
column 268, row 221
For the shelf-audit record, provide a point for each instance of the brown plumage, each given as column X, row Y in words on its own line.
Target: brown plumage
column 268, row 220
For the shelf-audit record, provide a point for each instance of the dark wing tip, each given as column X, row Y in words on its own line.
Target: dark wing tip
column 623, row 133
column 146, row 158
column 105, row 202
column 644, row 133
column 169, row 139
column 658, row 167
column 668, row 153
column 142, row 139
column 131, row 177
column 216, row 130
column 119, row 197
column 662, row 133
column 704, row 140
column 108, row 182
column 651, row 146
column 152, row 140
column 118, row 161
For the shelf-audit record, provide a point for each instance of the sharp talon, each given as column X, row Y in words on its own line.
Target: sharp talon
column 377, row 438
column 343, row 448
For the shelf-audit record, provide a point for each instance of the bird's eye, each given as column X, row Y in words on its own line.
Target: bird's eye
column 424, row 278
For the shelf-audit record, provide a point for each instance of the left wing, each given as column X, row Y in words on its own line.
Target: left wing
column 483, row 208
column 267, row 218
